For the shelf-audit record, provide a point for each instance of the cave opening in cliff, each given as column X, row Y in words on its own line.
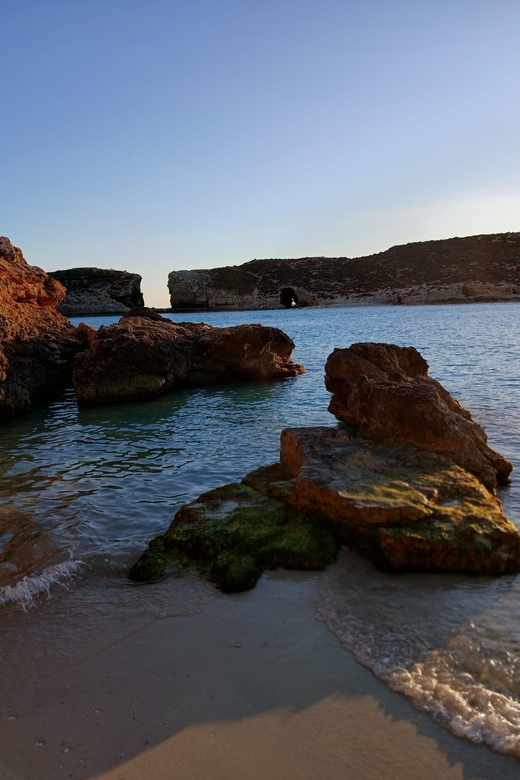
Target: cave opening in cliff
column 288, row 297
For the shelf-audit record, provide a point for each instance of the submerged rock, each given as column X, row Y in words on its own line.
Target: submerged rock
column 384, row 391
column 145, row 355
column 232, row 534
column 98, row 291
column 37, row 344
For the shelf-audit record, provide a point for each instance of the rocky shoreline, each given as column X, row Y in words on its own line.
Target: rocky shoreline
column 473, row 269
column 142, row 356
column 409, row 480
column 411, row 487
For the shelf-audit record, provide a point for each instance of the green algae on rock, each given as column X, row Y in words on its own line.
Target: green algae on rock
column 404, row 508
column 231, row 534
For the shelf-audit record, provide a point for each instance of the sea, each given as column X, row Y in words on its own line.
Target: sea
column 83, row 490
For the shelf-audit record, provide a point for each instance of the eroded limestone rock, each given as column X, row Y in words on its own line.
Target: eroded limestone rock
column 37, row 344
column 405, row 509
column 145, row 355
column 385, row 392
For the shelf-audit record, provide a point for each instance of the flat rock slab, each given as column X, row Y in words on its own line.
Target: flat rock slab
column 403, row 507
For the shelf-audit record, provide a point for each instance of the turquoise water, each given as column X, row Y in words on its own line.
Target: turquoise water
column 94, row 485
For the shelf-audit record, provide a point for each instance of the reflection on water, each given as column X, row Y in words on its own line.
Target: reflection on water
column 97, row 483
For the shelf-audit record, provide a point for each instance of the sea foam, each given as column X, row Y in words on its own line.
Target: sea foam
column 25, row 590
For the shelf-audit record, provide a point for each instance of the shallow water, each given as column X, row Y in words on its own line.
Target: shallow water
column 94, row 485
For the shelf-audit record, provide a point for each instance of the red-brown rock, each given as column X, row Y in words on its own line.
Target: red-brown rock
column 385, row 392
column 37, row 343
column 145, row 355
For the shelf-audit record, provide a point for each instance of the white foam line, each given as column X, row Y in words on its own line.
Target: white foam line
column 27, row 588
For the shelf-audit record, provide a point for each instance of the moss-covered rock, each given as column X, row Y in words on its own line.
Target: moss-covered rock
column 232, row 534
column 406, row 509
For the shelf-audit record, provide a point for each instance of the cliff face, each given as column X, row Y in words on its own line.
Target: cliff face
column 472, row 269
column 37, row 344
column 98, row 291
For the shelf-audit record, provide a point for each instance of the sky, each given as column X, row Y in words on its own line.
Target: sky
column 159, row 135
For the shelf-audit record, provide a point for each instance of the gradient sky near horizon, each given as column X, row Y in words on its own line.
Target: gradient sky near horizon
column 153, row 135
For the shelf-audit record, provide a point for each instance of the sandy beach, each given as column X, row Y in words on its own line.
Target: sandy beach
column 250, row 686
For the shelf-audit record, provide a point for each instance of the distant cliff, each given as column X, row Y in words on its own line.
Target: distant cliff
column 98, row 291
column 472, row 269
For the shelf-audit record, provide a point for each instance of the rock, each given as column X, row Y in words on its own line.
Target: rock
column 408, row 508
column 384, row 391
column 231, row 535
column 145, row 355
column 455, row 270
column 37, row 344
column 98, row 291
column 404, row 508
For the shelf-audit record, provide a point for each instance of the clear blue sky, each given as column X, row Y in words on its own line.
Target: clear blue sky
column 153, row 135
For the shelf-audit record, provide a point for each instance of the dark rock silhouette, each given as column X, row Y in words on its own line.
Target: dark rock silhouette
column 98, row 291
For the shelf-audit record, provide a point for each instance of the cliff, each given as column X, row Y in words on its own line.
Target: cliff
column 455, row 270
column 37, row 344
column 98, row 291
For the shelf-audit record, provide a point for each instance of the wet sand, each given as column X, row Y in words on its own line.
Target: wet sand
column 251, row 686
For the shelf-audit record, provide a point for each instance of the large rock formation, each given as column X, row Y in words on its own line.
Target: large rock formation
column 145, row 355
column 37, row 343
column 385, row 392
column 472, row 269
column 98, row 291
column 406, row 508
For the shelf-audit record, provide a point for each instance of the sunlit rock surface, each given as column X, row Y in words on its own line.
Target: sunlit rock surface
column 385, row 392
column 37, row 343
column 408, row 508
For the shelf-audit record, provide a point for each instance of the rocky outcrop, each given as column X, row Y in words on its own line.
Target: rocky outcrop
column 145, row 355
column 455, row 270
column 98, row 291
column 385, row 392
column 37, row 344
column 407, row 508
